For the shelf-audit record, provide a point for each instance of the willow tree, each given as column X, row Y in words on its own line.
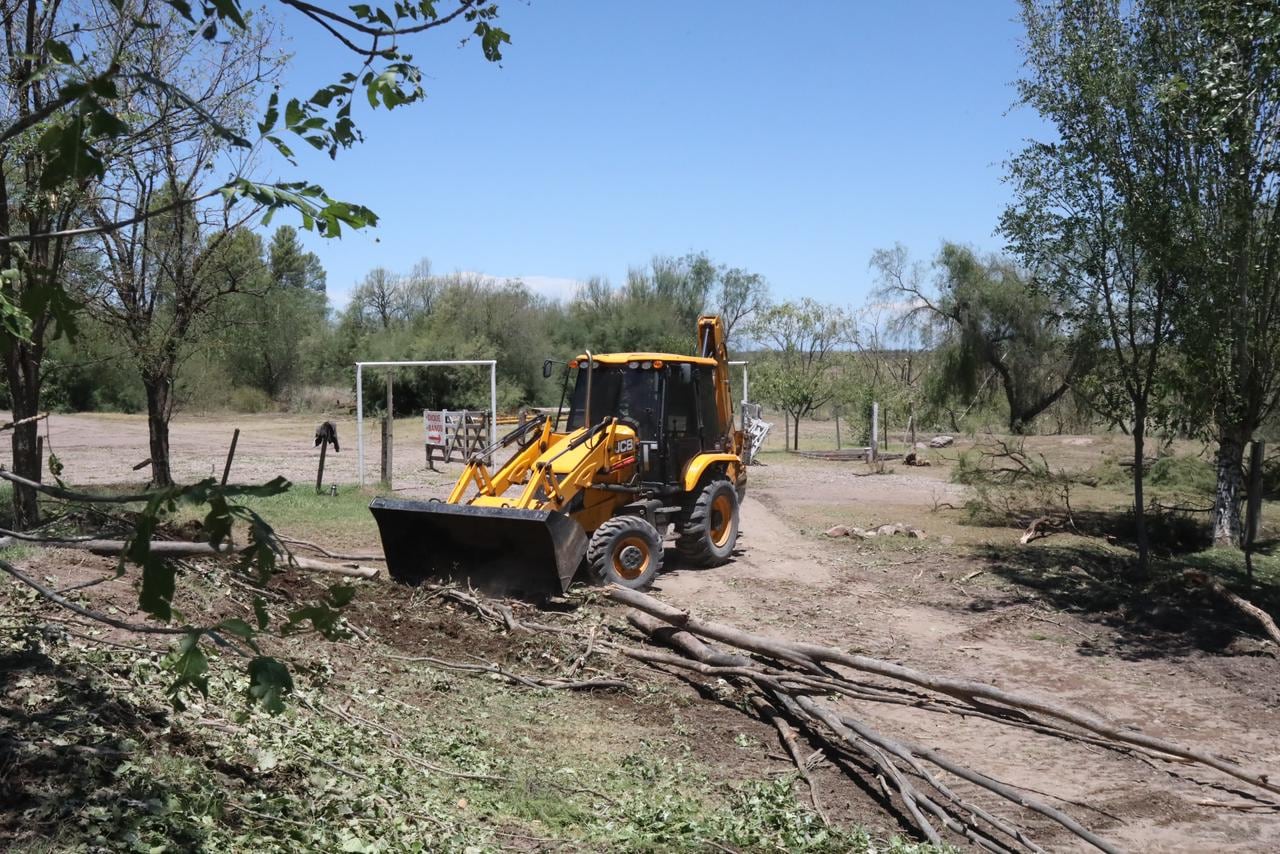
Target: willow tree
column 983, row 316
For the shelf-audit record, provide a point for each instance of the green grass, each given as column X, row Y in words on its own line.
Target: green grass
column 1229, row 565
column 299, row 512
column 1182, row 475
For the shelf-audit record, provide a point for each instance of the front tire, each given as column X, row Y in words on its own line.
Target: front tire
column 709, row 531
column 626, row 551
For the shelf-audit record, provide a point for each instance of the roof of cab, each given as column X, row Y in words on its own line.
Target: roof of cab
column 623, row 358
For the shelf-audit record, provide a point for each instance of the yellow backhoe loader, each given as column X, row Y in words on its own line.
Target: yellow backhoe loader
column 648, row 442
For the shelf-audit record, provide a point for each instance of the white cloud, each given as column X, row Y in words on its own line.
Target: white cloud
column 552, row 287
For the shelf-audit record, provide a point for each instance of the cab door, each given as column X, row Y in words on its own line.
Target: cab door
column 681, row 430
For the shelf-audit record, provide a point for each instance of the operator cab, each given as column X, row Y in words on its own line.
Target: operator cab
column 669, row 400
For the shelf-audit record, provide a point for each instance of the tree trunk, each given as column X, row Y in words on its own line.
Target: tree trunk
column 159, row 388
column 795, row 435
column 1139, row 501
column 1230, row 489
column 22, row 368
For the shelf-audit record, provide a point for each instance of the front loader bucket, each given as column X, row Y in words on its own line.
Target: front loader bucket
column 496, row 549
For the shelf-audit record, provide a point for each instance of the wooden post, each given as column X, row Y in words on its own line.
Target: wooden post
column 1253, row 507
column 388, row 435
column 231, row 455
column 385, row 452
column 324, row 448
column 837, row 412
column 874, row 450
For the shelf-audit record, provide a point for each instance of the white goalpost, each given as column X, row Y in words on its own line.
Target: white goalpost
column 360, row 366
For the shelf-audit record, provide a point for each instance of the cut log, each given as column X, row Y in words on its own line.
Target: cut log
column 1039, row 528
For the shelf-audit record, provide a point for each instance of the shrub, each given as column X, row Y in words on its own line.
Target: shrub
column 1182, row 474
column 245, row 399
column 319, row 398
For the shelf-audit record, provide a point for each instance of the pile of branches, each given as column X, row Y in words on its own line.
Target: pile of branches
column 804, row 690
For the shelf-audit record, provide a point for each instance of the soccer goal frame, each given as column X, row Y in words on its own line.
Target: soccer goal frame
column 360, row 366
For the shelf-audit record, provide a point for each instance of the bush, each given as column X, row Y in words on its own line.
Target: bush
column 1109, row 472
column 1183, row 474
column 247, row 399
column 319, row 398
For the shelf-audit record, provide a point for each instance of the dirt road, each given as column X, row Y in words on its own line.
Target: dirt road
column 964, row 600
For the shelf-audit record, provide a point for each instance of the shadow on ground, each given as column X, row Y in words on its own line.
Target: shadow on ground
column 1156, row 617
column 63, row 745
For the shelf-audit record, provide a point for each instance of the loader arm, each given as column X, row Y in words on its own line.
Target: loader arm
column 712, row 345
column 553, row 470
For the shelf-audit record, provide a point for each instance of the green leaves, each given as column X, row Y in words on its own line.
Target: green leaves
column 319, row 212
column 190, row 667
column 269, row 681
column 324, row 616
column 59, row 52
column 14, row 322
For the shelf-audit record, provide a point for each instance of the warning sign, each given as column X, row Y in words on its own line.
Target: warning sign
column 434, row 423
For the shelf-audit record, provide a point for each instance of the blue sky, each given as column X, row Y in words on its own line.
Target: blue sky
column 791, row 139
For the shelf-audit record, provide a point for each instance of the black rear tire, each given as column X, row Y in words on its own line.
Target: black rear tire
column 626, row 551
column 709, row 529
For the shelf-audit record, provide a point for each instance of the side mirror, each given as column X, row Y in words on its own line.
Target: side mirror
column 686, row 372
column 548, row 365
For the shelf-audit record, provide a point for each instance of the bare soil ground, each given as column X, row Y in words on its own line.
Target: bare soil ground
column 965, row 600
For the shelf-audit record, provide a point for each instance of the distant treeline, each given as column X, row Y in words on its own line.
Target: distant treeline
column 277, row 342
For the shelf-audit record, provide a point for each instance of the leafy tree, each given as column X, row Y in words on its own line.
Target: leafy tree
column 291, row 266
column 656, row 309
column 982, row 314
column 266, row 319
column 152, row 288
column 70, row 111
column 801, row 374
column 66, row 116
column 1221, row 73
column 1168, row 114
column 740, row 295
column 1097, row 214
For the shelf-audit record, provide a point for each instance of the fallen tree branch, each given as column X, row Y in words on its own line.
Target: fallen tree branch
column 70, row 495
column 1039, row 529
column 787, row 735
column 963, row 689
column 98, row 616
column 1244, row 606
column 527, row 681
column 876, row 749
column 322, row 550
column 181, row 548
column 9, row 425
